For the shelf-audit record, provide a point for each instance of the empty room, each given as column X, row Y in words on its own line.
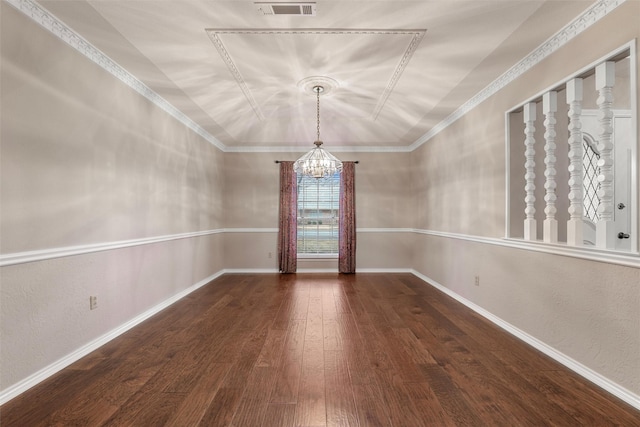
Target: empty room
column 319, row 213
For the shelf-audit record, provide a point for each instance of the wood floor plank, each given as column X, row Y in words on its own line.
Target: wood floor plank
column 317, row 350
column 340, row 402
column 450, row 397
column 280, row 414
column 253, row 406
column 285, row 390
column 195, row 404
column 427, row 404
column 311, row 407
column 372, row 408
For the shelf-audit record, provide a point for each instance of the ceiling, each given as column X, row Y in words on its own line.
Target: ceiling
column 393, row 69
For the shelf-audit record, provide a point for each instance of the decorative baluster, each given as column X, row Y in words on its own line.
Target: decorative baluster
column 549, row 108
column 605, row 79
column 576, row 208
column 530, row 230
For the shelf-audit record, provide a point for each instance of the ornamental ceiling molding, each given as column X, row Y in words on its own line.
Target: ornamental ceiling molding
column 48, row 21
column 59, row 29
column 593, row 14
column 417, row 36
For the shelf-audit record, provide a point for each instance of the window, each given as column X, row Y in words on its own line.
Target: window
column 318, row 204
column 590, row 157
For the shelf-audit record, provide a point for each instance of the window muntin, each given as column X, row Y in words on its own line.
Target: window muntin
column 590, row 157
column 318, row 208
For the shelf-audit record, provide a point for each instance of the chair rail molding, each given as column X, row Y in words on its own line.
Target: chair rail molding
column 46, row 254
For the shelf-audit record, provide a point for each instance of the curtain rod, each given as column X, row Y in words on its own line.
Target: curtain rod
column 280, row 161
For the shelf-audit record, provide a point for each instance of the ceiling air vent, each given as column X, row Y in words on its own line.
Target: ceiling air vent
column 287, row 8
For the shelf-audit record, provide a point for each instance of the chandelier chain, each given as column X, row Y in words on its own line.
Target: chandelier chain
column 318, row 113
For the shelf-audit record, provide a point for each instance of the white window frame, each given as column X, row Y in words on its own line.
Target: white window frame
column 335, row 200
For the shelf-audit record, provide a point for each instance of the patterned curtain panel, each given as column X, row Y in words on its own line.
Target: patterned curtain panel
column 288, row 220
column 347, row 237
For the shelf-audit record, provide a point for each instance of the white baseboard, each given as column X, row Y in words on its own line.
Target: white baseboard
column 599, row 380
column 249, row 270
column 384, row 270
column 41, row 375
column 316, row 270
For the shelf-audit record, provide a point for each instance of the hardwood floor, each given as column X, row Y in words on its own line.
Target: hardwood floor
column 316, row 350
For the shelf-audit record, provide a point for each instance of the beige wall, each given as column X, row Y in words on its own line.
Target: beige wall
column 584, row 309
column 86, row 160
column 383, row 201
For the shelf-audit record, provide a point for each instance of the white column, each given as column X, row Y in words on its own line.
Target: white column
column 605, row 231
column 530, row 230
column 549, row 108
column 576, row 206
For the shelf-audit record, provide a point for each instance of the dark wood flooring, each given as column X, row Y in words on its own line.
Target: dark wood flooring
column 316, row 350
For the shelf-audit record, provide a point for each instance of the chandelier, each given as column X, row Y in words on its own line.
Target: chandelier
column 318, row 162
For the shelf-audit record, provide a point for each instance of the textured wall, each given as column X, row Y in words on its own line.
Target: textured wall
column 584, row 309
column 383, row 200
column 86, row 160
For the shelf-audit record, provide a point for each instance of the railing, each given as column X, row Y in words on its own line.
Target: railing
column 568, row 190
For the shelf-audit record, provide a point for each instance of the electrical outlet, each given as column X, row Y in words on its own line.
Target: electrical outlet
column 270, row 255
column 477, row 280
column 93, row 302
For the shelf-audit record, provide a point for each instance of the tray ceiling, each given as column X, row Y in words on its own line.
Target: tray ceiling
column 400, row 67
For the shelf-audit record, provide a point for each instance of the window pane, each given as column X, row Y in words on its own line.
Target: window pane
column 318, row 201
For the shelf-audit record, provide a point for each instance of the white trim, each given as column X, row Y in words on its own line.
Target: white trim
column 384, row 270
column 250, row 230
column 596, row 378
column 561, row 84
column 591, row 254
column 314, row 270
column 585, row 20
column 32, row 380
column 53, row 253
column 507, row 173
column 59, row 29
column 632, row 113
column 359, row 230
column 250, row 270
column 47, row 20
column 384, row 230
column 306, row 147
column 635, row 242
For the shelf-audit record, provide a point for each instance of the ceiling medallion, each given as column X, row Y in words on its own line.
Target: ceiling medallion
column 308, row 84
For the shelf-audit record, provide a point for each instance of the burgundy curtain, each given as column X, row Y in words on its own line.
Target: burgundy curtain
column 347, row 238
column 288, row 219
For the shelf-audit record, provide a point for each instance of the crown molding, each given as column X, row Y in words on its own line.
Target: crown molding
column 304, row 149
column 417, row 36
column 59, row 29
column 593, row 14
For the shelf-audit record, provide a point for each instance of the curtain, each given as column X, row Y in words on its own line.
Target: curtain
column 288, row 220
column 347, row 237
